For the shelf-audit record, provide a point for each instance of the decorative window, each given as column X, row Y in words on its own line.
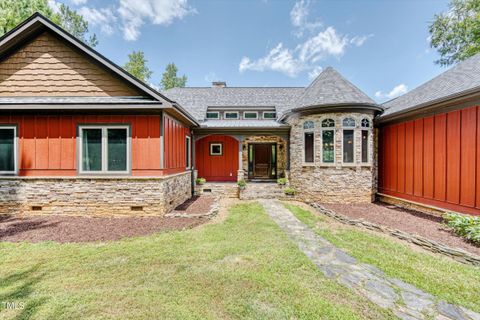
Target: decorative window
column 250, row 115
column 231, row 115
column 104, row 149
column 364, row 146
column 328, row 123
column 349, row 122
column 8, row 149
column 213, row 115
column 348, row 156
column 269, row 115
column 216, row 148
column 309, row 147
column 328, row 146
column 188, row 152
column 308, row 125
column 365, row 123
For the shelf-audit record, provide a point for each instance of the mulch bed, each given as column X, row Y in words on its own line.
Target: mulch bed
column 196, row 205
column 410, row 221
column 86, row 229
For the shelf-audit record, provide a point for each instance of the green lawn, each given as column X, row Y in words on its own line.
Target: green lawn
column 447, row 279
column 244, row 267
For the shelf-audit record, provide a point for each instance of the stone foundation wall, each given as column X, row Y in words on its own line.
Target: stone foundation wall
column 332, row 182
column 94, row 196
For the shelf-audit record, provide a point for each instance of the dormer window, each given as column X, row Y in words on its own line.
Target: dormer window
column 231, row 115
column 250, row 115
column 269, row 115
column 213, row 115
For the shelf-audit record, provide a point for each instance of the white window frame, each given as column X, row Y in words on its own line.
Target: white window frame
column 15, row 150
column 104, row 129
column 213, row 112
column 256, row 115
column 225, row 115
column 274, row 112
column 189, row 151
column 216, row 144
column 343, row 144
column 312, row 131
column 366, row 129
column 334, row 149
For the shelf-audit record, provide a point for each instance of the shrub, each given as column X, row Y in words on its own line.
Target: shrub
column 289, row 191
column 282, row 181
column 201, row 180
column 465, row 226
column 241, row 184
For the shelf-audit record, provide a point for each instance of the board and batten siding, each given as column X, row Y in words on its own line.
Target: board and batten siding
column 47, row 66
column 47, row 144
column 174, row 135
column 433, row 160
column 222, row 167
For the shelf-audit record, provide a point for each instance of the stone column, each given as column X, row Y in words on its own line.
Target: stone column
column 240, row 172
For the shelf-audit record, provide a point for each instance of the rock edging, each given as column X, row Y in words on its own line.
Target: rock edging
column 457, row 254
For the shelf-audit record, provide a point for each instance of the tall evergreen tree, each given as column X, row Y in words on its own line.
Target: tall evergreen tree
column 137, row 66
column 171, row 80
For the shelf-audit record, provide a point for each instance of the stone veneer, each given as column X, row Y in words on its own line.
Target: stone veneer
column 94, row 195
column 281, row 150
column 336, row 182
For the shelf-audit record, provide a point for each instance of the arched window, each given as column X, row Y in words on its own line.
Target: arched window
column 348, row 140
column 328, row 123
column 308, row 125
column 365, row 123
column 308, row 142
column 328, row 141
column 349, row 122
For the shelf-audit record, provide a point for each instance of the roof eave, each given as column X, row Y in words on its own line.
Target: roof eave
column 433, row 103
column 333, row 107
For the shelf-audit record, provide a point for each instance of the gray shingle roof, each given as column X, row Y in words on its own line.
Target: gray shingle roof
column 197, row 100
column 242, row 124
column 331, row 88
column 462, row 78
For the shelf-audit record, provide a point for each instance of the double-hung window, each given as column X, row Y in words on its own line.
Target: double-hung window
column 328, row 141
column 309, row 142
column 104, row 149
column 8, row 149
column 348, row 140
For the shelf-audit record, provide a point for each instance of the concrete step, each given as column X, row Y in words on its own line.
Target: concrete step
column 255, row 190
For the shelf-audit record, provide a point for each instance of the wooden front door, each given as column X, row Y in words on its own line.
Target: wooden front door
column 262, row 161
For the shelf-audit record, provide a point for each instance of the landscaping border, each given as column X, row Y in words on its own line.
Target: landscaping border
column 457, row 254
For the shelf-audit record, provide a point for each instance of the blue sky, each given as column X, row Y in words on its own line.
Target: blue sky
column 379, row 45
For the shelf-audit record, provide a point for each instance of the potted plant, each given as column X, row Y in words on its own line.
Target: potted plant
column 289, row 191
column 241, row 184
column 282, row 181
column 200, row 181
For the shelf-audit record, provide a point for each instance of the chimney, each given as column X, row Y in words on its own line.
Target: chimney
column 219, row 84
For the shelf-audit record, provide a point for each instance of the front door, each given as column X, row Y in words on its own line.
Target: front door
column 262, row 161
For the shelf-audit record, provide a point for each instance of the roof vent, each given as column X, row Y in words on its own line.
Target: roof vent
column 219, row 84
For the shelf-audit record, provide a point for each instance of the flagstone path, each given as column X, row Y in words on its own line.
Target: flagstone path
column 406, row 301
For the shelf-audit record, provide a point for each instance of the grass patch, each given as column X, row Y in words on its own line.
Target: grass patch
column 244, row 267
column 447, row 279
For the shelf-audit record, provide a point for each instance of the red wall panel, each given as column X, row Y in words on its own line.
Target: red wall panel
column 217, row 168
column 174, row 144
column 48, row 147
column 439, row 157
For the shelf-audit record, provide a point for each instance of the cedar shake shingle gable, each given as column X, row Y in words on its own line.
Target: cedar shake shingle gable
column 46, row 66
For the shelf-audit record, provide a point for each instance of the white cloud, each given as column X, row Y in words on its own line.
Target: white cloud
column 315, row 72
column 135, row 13
column 324, row 44
column 360, row 40
column 299, row 18
column 103, row 17
column 395, row 92
column 54, row 5
column 79, row 2
column 278, row 59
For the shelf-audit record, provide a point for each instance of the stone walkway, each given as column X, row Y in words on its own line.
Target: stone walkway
column 405, row 300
